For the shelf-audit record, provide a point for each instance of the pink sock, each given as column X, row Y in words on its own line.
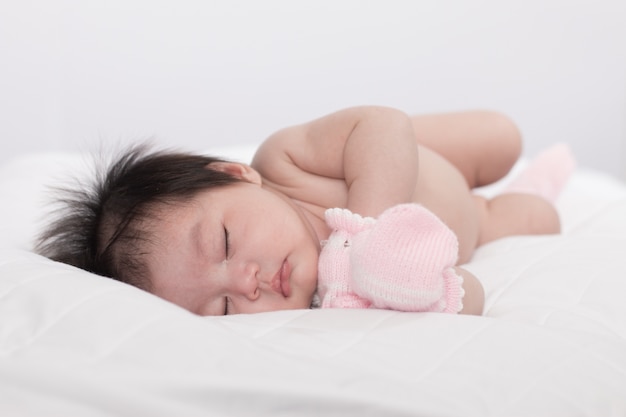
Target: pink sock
column 547, row 174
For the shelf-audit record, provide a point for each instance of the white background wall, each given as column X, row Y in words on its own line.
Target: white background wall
column 195, row 74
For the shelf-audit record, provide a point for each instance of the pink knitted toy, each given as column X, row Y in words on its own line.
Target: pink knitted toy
column 402, row 261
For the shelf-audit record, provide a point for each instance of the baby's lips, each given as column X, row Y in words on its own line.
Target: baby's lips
column 285, row 275
column 280, row 281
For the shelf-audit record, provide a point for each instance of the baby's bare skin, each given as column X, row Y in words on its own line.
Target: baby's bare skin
column 440, row 187
column 450, row 154
column 254, row 246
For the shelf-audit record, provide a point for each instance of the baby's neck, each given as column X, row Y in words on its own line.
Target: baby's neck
column 315, row 216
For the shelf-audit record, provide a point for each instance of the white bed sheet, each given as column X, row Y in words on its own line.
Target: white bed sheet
column 552, row 341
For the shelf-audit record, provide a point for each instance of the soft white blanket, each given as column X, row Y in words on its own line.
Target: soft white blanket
column 552, row 341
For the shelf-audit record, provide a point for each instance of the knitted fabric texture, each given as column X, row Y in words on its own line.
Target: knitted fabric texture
column 401, row 261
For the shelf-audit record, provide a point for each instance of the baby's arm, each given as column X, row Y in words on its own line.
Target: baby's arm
column 372, row 149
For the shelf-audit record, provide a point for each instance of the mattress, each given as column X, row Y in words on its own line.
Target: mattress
column 552, row 341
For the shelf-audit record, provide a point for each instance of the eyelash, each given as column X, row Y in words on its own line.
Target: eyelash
column 226, row 253
column 227, row 242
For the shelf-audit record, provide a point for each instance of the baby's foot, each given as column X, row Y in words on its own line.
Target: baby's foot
column 547, row 174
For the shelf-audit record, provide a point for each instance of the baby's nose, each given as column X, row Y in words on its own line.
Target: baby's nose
column 244, row 280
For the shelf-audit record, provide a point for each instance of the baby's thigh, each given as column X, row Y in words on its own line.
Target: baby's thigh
column 483, row 145
column 443, row 190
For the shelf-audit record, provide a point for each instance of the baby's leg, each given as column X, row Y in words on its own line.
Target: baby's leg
column 526, row 206
column 482, row 145
column 515, row 214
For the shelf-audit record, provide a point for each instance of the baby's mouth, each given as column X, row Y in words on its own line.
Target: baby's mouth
column 280, row 282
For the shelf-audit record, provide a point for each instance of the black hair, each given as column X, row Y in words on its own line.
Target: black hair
column 101, row 226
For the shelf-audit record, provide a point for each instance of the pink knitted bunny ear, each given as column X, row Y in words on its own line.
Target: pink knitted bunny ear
column 345, row 220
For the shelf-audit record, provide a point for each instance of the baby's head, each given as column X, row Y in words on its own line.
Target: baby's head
column 199, row 231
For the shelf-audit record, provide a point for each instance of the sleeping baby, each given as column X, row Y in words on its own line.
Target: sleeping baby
column 366, row 207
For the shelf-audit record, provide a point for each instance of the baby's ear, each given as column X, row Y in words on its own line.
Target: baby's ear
column 238, row 170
